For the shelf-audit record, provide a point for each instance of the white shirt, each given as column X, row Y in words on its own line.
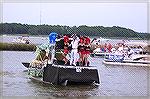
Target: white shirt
column 120, row 49
column 74, row 43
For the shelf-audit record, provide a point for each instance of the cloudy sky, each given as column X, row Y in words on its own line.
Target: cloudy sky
column 128, row 15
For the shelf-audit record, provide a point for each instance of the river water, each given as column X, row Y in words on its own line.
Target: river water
column 115, row 80
column 44, row 39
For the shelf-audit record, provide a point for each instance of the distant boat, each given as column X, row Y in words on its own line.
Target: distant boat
column 44, row 38
column 138, row 60
column 22, row 40
column 98, row 52
column 4, row 35
column 135, row 57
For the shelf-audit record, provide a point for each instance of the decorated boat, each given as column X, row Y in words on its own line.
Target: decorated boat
column 55, row 71
column 63, row 75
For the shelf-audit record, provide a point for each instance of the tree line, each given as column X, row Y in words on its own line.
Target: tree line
column 115, row 31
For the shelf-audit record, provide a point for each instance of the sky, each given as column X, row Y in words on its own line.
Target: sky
column 128, row 15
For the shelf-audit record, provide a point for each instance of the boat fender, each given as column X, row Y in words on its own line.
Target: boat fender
column 78, row 69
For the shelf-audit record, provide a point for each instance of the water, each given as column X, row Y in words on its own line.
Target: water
column 115, row 80
column 40, row 40
column 33, row 39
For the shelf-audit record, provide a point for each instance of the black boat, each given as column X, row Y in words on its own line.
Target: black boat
column 55, row 71
column 63, row 74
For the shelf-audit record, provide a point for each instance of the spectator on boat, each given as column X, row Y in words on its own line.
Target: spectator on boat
column 130, row 52
column 102, row 48
column 87, row 50
column 125, row 51
column 74, row 52
column 120, row 49
column 105, row 47
column 113, row 50
column 109, row 47
column 139, row 49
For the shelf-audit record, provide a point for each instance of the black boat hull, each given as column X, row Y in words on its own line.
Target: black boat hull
column 60, row 74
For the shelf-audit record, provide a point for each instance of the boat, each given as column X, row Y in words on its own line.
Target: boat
column 60, row 74
column 21, row 39
column 118, row 60
column 137, row 58
column 141, row 60
column 55, row 71
column 98, row 53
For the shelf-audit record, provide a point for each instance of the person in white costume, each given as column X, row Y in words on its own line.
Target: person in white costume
column 74, row 52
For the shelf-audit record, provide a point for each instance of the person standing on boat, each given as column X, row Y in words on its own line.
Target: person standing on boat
column 120, row 49
column 52, row 42
column 81, row 51
column 87, row 50
column 74, row 52
column 66, row 50
column 109, row 47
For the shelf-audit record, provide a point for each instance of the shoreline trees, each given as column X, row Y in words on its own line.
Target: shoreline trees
column 115, row 31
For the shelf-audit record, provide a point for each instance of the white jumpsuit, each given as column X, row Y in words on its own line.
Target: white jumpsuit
column 74, row 52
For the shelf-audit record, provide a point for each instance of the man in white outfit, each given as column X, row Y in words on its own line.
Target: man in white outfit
column 74, row 52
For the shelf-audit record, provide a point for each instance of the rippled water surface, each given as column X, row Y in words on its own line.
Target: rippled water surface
column 115, row 80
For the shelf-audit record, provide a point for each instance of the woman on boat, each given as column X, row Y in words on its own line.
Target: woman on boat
column 66, row 39
column 109, row 47
column 87, row 50
column 81, row 51
column 66, row 50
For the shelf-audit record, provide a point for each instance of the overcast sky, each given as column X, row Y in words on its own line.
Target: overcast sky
column 128, row 15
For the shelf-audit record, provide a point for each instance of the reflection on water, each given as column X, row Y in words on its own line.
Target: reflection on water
column 115, row 80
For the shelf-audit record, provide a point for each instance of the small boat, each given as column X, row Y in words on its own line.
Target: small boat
column 120, row 60
column 23, row 40
column 132, row 55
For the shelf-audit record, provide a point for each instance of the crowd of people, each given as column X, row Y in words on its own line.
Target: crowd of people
column 125, row 50
column 120, row 49
column 78, row 50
